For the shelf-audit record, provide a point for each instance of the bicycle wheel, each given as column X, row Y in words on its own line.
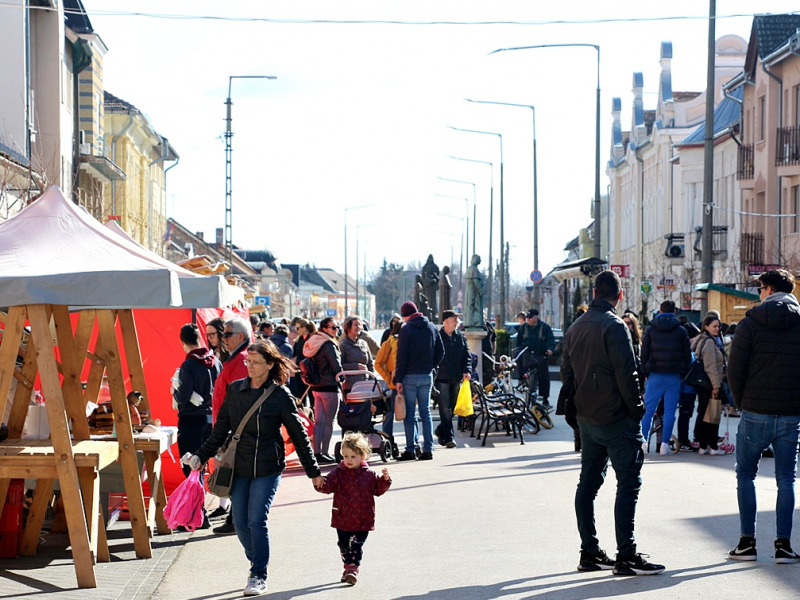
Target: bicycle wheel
column 530, row 424
column 542, row 416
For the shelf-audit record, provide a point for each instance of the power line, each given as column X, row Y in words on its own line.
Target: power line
column 752, row 214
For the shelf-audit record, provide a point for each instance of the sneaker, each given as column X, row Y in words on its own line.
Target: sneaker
column 595, row 562
column 218, row 512
column 645, row 448
column 665, row 449
column 636, row 565
column 716, row 452
column 746, row 550
column 350, row 575
column 226, row 528
column 686, row 448
column 426, row 456
column 407, row 455
column 450, row 444
column 703, row 451
column 784, row 554
column 255, row 586
column 547, row 406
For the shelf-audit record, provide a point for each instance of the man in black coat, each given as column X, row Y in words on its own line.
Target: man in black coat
column 599, row 370
column 666, row 356
column 453, row 369
column 762, row 373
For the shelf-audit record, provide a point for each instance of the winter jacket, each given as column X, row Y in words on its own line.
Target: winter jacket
column 354, row 354
column 665, row 346
column 456, row 360
column 198, row 373
column 282, row 343
column 538, row 339
column 386, row 360
column 326, row 355
column 765, row 358
column 354, row 492
column 707, row 350
column 260, row 450
column 232, row 369
column 599, row 368
column 419, row 348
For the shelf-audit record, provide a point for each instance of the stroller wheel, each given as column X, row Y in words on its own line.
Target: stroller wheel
column 337, row 452
column 385, row 450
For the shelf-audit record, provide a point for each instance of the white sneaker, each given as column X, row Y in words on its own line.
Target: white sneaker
column 703, row 451
column 255, row 586
column 713, row 452
column 645, row 449
column 665, row 449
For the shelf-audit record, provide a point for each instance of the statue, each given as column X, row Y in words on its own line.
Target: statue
column 444, row 292
column 473, row 307
column 420, row 299
column 430, row 279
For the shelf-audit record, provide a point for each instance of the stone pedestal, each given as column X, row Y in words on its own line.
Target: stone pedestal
column 474, row 342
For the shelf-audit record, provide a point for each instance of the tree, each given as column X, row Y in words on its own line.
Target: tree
column 387, row 286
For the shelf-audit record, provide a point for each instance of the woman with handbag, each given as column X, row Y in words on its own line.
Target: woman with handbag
column 259, row 454
column 709, row 404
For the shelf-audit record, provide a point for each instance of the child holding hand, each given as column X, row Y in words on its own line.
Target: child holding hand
column 354, row 486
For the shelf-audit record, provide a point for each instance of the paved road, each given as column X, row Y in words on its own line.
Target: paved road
column 476, row 523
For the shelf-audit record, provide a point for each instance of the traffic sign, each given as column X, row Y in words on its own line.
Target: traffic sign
column 646, row 287
column 262, row 301
column 536, row 276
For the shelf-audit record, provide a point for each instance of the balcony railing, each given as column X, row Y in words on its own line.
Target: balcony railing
column 745, row 165
column 719, row 242
column 752, row 249
column 788, row 150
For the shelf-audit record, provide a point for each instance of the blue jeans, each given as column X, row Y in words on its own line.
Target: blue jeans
column 251, row 499
column 417, row 390
column 621, row 443
column 756, row 432
column 661, row 385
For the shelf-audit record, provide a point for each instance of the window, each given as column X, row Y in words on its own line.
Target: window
column 762, row 117
column 794, row 220
column 797, row 105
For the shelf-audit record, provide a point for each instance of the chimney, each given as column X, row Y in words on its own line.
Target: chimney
column 617, row 151
column 638, row 128
column 199, row 235
column 220, row 239
column 666, row 101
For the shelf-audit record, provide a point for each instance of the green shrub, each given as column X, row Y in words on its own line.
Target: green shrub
column 502, row 342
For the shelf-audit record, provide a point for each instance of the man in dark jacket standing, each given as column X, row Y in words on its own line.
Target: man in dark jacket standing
column 666, row 356
column 419, row 350
column 762, row 373
column 453, row 369
column 537, row 336
column 599, row 370
column 192, row 394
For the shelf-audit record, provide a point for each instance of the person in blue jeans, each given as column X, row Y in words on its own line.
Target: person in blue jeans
column 762, row 373
column 419, row 351
column 666, row 358
column 599, row 372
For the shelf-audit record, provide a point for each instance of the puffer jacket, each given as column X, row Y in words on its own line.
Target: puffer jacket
column 386, row 359
column 198, row 373
column 354, row 492
column 665, row 346
column 260, row 450
column 324, row 351
column 765, row 358
column 599, row 368
column 419, row 348
column 706, row 349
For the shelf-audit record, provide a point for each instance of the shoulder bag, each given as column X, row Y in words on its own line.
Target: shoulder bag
column 697, row 376
column 221, row 479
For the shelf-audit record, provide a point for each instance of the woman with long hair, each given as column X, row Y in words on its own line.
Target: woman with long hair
column 706, row 348
column 636, row 332
column 214, row 330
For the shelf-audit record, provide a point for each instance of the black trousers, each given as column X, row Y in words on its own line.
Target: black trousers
column 193, row 431
column 351, row 544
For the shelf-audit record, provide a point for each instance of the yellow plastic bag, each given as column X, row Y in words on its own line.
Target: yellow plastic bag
column 464, row 401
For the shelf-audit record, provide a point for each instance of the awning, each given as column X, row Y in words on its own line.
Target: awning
column 577, row 269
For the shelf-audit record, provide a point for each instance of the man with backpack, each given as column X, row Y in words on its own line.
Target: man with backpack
column 319, row 368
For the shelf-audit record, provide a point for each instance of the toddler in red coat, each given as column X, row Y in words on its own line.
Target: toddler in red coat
column 354, row 486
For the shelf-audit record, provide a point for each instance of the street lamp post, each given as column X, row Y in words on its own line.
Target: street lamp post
column 596, row 211
column 363, row 283
column 345, row 248
column 474, row 210
column 502, row 225
column 491, row 223
column 229, row 167
column 536, row 295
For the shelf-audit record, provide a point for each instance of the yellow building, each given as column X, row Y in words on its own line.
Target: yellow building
column 140, row 201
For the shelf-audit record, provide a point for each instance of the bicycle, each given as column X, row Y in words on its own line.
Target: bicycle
column 529, row 386
column 536, row 415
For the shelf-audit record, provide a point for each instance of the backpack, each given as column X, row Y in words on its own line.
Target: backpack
column 309, row 372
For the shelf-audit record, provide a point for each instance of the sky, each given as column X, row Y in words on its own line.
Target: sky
column 359, row 114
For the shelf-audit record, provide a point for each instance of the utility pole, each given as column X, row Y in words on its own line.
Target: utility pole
column 708, row 165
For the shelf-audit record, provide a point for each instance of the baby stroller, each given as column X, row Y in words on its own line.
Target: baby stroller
column 364, row 407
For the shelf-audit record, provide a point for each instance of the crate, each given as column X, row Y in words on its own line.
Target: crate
column 11, row 519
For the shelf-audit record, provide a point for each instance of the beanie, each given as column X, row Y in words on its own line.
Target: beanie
column 408, row 309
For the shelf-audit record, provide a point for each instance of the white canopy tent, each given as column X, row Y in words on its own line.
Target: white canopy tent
column 52, row 252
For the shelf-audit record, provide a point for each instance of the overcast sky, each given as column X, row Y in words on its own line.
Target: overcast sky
column 359, row 111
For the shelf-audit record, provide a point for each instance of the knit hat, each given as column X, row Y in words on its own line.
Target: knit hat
column 408, row 309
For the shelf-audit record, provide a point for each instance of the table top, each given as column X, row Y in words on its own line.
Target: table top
column 86, row 452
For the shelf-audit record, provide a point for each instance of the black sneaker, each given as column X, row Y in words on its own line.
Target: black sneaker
column 595, row 562
column 636, row 565
column 407, row 455
column 226, row 528
column 784, row 554
column 746, row 550
column 426, row 456
column 219, row 512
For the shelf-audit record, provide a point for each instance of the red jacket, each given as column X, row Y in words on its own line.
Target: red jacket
column 233, row 369
column 354, row 492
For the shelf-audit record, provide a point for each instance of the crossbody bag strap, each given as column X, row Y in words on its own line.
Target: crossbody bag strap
column 264, row 395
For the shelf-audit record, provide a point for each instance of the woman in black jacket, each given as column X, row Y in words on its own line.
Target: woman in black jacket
column 260, row 453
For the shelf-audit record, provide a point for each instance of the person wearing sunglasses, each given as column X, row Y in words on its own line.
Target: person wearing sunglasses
column 323, row 350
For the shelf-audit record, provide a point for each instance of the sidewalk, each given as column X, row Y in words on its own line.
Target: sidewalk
column 476, row 523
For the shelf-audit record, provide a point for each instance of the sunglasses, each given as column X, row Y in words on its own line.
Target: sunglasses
column 228, row 334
